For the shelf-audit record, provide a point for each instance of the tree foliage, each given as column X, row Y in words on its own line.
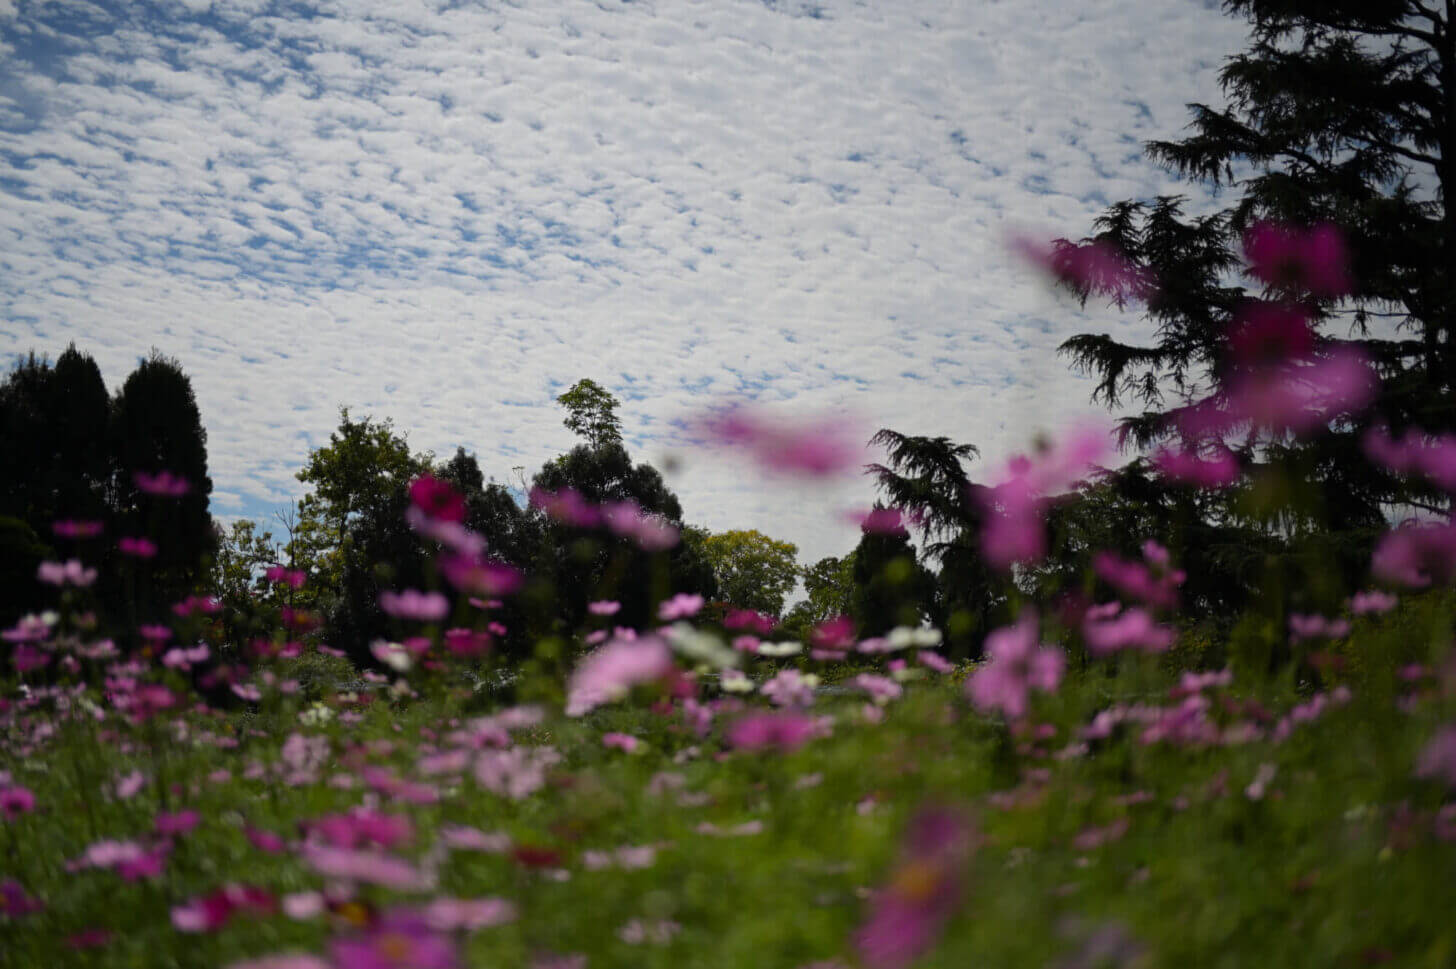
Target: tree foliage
column 591, row 412
column 753, row 571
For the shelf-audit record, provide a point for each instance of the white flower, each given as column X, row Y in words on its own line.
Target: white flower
column 904, row 637
column 703, row 647
column 393, row 655
column 786, row 648
column 735, row 681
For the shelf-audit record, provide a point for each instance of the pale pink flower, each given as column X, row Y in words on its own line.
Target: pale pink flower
column 1015, row 666
column 605, row 607
column 1415, row 555
column 1096, row 267
column 1438, row 758
column 515, row 772
column 128, row 785
column 414, row 604
column 789, row 688
column 881, row 689
column 467, row 914
column 1372, row 601
column 1131, row 629
column 72, row 572
column 610, row 672
column 371, row 866
column 302, row 906
column 680, row 606
column 624, row 742
column 814, row 448
column 1217, row 468
column 1014, row 530
column 778, row 731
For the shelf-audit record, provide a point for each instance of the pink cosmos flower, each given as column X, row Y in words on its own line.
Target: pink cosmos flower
column 278, row 575
column 1438, row 759
column 362, row 826
column 680, row 606
column 1216, row 468
column 624, row 742
column 834, row 633
column 881, row 689
column 566, row 506
column 26, row 657
column 371, row 866
column 285, row 961
column 482, row 576
column 1156, row 586
column 909, row 913
column 515, row 772
column 1303, row 627
column 14, row 903
column 1097, row 267
column 815, row 448
column 1014, row 531
column 437, row 499
column 138, row 547
column 783, row 731
column 789, row 688
column 883, row 521
column 467, row 914
column 163, row 484
column 1015, row 666
column 247, row 692
column 172, row 824
column 402, row 940
column 1129, row 629
column 1416, row 452
column 611, row 671
column 605, row 607
column 71, row 528
column 461, row 641
column 1372, row 601
column 128, row 785
column 210, row 912
column 265, row 840
column 414, row 604
column 934, row 661
column 751, row 620
column 72, row 572
column 1415, row 555
column 15, row 801
column 178, row 658
column 473, row 839
column 1313, row 261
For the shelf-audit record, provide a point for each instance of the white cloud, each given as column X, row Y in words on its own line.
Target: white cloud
column 447, row 215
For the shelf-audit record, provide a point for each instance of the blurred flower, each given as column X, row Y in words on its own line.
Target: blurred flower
column 1015, row 666
column 1313, row 261
column 778, row 731
column 611, row 671
column 138, row 547
column 812, row 448
column 436, row 499
column 163, row 484
column 72, row 572
column 680, row 606
column 401, row 940
column 414, row 604
column 909, row 913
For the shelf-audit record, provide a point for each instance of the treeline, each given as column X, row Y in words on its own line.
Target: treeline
column 80, row 480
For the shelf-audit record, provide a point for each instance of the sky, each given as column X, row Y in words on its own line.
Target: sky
column 447, row 212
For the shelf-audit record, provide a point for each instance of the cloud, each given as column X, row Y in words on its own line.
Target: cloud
column 446, row 213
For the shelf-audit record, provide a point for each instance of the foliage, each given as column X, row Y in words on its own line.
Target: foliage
column 753, row 571
column 591, row 412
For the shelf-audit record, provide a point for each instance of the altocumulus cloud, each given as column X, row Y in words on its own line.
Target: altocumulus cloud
column 447, row 212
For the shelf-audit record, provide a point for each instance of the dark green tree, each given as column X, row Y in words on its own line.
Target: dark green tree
column 891, row 587
column 1341, row 112
column 926, row 477
column 156, row 427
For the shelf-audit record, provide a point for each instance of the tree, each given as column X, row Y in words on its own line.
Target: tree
column 1341, row 112
column 235, row 578
column 891, row 588
column 591, row 412
column 356, row 516
column 926, row 477
column 753, row 571
column 156, row 427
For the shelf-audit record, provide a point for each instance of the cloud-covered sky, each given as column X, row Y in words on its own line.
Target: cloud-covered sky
column 447, row 211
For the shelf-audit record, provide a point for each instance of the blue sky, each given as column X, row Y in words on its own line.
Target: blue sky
column 446, row 212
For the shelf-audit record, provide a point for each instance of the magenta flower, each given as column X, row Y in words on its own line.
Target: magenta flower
column 26, row 657
column 461, row 641
column 883, row 521
column 15, row 801
column 416, row 605
column 402, row 940
column 70, row 528
column 482, row 576
column 815, row 448
column 1218, row 469
column 1316, row 627
column 1313, row 261
column 784, row 732
column 437, row 499
column 136, row 547
column 163, row 484
column 610, row 673
column 155, row 632
column 279, row 575
column 515, row 772
column 751, row 620
column 210, row 912
column 833, row 633
column 1415, row 453
column 14, row 903
column 1097, row 267
column 1137, row 581
column 605, row 607
column 363, row 826
column 1015, row 666
column 908, row 915
column 128, row 785
column 176, row 824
